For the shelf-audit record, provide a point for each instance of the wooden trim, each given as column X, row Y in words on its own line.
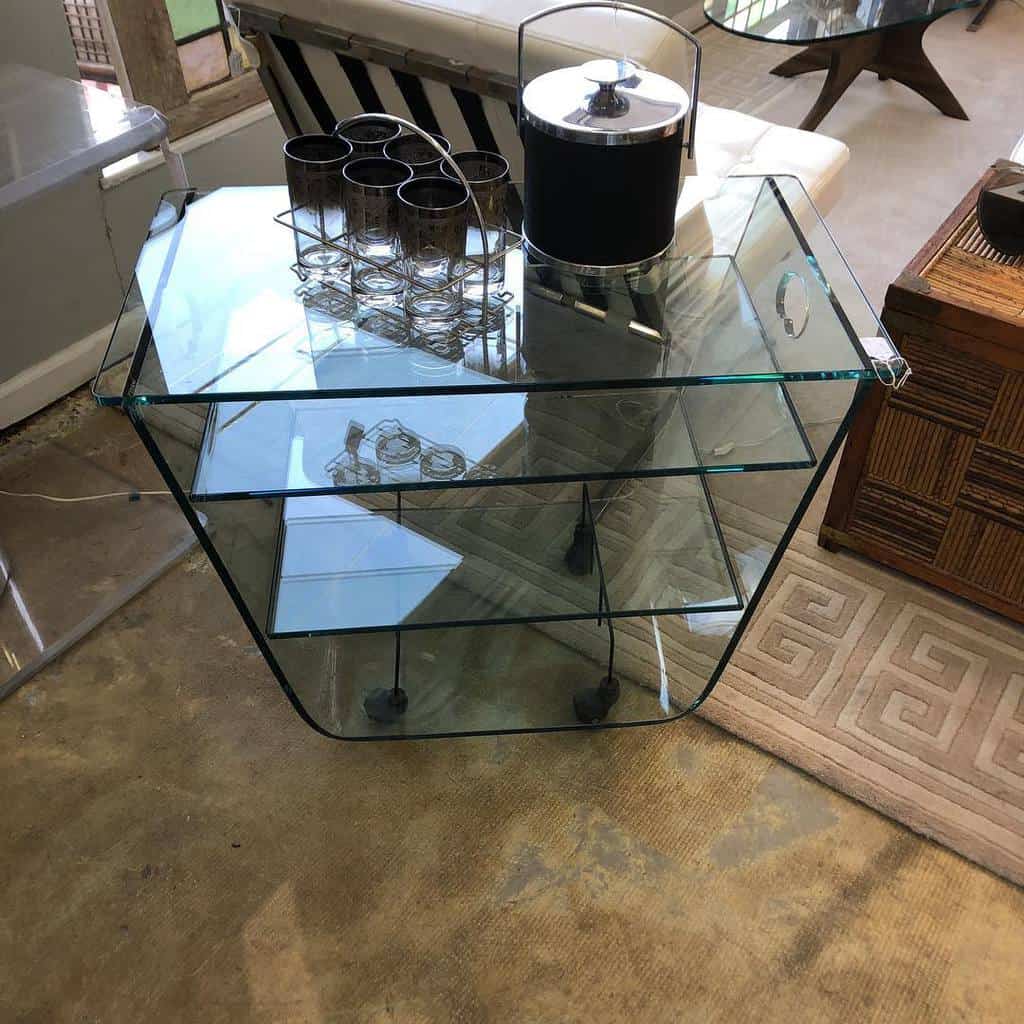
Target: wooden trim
column 146, row 42
column 964, row 319
column 149, row 70
column 898, row 323
column 97, row 72
column 215, row 103
column 832, row 539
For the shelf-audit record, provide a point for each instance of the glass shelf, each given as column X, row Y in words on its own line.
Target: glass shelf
column 539, row 554
column 227, row 319
column 330, row 446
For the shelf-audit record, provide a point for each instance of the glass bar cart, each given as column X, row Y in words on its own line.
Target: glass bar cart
column 560, row 513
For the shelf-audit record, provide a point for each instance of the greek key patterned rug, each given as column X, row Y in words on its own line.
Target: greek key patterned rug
column 892, row 693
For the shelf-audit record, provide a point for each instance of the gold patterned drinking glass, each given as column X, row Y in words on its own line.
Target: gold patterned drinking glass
column 487, row 174
column 433, row 215
column 419, row 154
column 371, row 208
column 368, row 135
column 313, row 166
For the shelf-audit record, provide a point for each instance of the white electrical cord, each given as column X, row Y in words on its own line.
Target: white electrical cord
column 84, row 497
column 730, row 446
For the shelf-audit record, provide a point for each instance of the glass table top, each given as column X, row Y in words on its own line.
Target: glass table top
column 333, row 446
column 215, row 314
column 809, row 21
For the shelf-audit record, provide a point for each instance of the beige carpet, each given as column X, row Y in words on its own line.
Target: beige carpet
column 909, row 165
column 879, row 686
column 894, row 694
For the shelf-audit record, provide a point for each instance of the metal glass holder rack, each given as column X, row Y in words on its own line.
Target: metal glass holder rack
column 395, row 267
column 559, row 515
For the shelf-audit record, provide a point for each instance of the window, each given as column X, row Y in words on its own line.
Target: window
column 200, row 36
column 86, row 25
column 172, row 54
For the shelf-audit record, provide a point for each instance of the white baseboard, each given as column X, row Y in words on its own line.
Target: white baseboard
column 45, row 382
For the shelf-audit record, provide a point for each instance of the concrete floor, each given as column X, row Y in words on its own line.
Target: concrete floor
column 179, row 846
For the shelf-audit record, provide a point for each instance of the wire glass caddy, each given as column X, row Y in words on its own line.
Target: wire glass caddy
column 394, row 267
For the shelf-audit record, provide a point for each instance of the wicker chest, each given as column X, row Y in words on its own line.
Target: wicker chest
column 932, row 478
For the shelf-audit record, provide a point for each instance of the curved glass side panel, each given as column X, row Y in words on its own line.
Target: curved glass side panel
column 494, row 607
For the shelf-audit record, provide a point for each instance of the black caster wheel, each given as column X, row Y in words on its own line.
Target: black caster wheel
column 385, row 706
column 593, row 703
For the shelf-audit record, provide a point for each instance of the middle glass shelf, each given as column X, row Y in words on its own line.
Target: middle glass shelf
column 351, row 446
column 498, row 555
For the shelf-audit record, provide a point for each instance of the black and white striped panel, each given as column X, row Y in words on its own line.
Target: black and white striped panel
column 320, row 87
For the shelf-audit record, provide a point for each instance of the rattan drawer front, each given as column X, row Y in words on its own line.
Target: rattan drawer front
column 931, row 481
column 947, row 386
column 884, row 514
column 918, row 456
column 984, row 553
column 1006, row 425
column 994, row 485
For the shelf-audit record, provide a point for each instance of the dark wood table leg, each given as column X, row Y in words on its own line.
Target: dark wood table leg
column 902, row 58
column 814, row 58
column 895, row 53
column 845, row 59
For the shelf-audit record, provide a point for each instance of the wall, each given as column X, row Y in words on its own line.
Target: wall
column 35, row 34
column 56, row 263
column 67, row 256
column 248, row 155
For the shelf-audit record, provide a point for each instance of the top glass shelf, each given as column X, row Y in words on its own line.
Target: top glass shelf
column 216, row 313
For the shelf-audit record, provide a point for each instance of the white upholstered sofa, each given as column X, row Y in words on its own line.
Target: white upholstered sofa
column 450, row 66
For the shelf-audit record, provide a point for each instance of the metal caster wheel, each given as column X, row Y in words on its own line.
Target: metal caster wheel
column 385, row 706
column 593, row 703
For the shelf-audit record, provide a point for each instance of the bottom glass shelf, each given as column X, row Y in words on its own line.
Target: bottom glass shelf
column 498, row 555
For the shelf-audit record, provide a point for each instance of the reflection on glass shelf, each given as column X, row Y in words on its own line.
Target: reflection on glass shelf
column 336, row 445
column 479, row 679
column 229, row 319
column 489, row 556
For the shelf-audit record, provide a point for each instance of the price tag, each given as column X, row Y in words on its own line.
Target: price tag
column 891, row 368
